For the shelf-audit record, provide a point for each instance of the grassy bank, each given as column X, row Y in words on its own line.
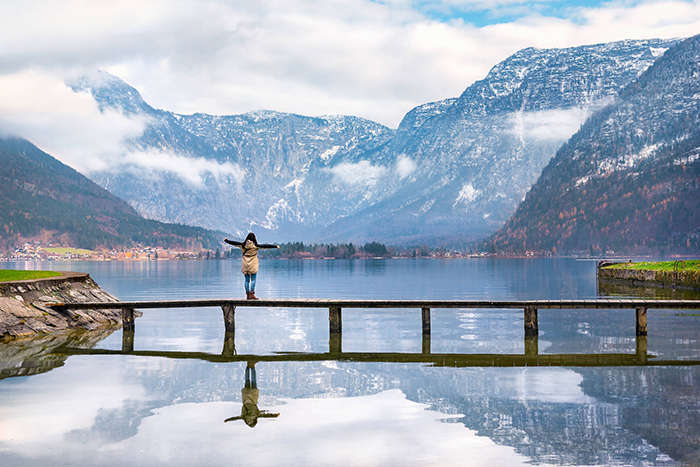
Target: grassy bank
column 666, row 266
column 16, row 275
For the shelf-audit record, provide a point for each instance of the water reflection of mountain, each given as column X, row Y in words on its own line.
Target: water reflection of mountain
column 553, row 415
column 659, row 404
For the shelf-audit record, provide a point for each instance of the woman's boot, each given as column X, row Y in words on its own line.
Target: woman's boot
column 247, row 295
column 252, row 296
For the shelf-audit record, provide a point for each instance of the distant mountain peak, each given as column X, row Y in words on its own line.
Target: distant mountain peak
column 454, row 168
column 109, row 91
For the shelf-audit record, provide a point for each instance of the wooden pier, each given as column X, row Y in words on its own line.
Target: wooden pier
column 530, row 313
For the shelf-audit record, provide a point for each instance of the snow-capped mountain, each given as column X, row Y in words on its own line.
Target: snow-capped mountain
column 456, row 168
column 629, row 180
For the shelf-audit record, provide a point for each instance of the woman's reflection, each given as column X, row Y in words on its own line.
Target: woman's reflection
column 249, row 411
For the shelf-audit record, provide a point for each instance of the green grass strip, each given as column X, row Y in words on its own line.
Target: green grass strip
column 18, row 275
column 690, row 265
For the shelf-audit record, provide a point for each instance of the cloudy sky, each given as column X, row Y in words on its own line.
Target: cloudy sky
column 374, row 59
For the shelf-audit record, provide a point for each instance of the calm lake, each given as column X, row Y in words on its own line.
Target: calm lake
column 115, row 410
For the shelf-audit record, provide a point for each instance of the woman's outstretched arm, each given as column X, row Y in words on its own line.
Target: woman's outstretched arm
column 233, row 242
column 267, row 245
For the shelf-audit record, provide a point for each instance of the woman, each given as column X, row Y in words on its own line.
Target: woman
column 249, row 263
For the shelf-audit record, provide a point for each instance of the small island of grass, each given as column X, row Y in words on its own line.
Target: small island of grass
column 682, row 273
column 689, row 265
column 20, row 275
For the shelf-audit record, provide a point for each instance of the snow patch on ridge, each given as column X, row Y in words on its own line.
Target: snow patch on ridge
column 466, row 195
column 329, row 153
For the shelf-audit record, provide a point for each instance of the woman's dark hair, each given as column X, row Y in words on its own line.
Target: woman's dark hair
column 251, row 236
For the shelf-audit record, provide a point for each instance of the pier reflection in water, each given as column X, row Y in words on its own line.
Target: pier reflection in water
column 531, row 357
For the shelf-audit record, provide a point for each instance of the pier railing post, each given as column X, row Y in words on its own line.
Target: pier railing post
column 128, row 319
column 641, row 320
column 425, row 313
column 531, row 326
column 229, row 317
column 334, row 319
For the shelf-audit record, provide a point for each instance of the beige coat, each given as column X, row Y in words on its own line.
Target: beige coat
column 249, row 262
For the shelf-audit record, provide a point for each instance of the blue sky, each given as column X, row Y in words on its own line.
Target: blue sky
column 484, row 13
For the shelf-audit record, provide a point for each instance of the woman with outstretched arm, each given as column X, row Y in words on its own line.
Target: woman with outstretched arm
column 249, row 263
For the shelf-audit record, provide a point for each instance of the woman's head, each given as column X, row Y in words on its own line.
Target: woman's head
column 251, row 237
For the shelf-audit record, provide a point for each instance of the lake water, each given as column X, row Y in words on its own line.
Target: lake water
column 153, row 410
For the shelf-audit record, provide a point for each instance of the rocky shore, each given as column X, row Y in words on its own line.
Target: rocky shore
column 23, row 310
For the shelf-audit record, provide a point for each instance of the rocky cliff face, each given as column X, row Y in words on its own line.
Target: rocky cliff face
column 454, row 169
column 630, row 178
column 23, row 310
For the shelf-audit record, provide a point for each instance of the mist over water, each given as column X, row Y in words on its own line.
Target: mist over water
column 140, row 410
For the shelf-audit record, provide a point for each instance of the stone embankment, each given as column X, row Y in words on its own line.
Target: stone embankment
column 23, row 310
column 664, row 278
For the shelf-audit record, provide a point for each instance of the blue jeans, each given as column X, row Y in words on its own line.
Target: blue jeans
column 250, row 282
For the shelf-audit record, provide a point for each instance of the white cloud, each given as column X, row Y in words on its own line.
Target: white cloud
column 405, row 167
column 548, row 125
column 192, row 170
column 360, row 172
column 358, row 57
column 68, row 125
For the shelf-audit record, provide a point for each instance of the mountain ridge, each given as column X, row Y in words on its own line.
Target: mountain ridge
column 454, row 167
column 629, row 180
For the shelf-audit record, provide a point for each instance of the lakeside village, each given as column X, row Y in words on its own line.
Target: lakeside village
column 295, row 250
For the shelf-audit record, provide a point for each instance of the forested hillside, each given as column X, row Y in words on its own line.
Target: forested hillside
column 43, row 199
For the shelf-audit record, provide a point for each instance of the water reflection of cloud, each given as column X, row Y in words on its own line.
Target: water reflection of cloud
column 382, row 429
column 34, row 423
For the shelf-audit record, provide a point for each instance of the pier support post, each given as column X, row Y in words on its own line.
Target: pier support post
column 229, row 349
column 531, row 326
column 426, row 344
column 642, row 348
column 127, row 341
column 425, row 312
column 128, row 319
column 531, row 345
column 229, row 317
column 335, row 343
column 334, row 319
column 641, row 320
